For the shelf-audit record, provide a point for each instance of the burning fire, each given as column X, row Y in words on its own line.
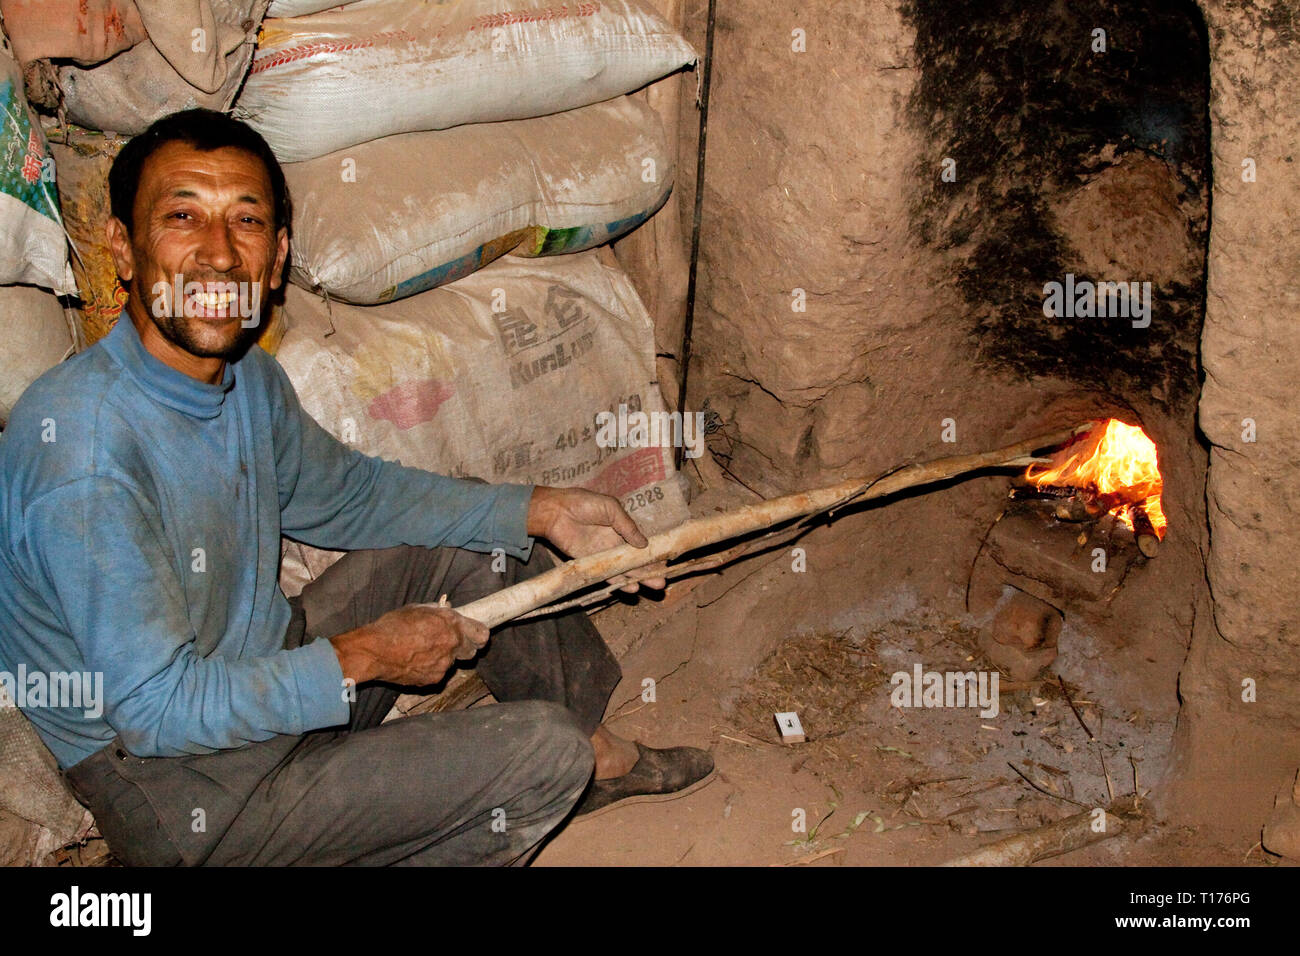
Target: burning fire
column 1116, row 464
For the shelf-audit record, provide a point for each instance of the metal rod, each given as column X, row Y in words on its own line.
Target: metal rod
column 689, row 324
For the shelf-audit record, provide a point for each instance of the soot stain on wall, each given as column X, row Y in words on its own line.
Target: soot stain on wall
column 1015, row 93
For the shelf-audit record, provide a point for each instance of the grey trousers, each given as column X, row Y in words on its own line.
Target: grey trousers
column 478, row 786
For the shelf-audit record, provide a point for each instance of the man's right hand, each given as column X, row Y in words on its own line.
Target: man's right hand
column 413, row 645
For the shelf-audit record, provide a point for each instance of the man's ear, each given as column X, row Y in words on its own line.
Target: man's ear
column 119, row 244
column 281, row 254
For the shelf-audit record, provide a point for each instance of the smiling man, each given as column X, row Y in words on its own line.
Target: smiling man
column 144, row 488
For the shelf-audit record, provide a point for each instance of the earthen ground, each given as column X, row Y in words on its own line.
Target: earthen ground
column 878, row 785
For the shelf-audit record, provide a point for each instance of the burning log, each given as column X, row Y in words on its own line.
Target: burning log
column 1076, row 508
column 574, row 575
column 1087, row 505
column 1147, row 540
column 1114, row 468
column 1079, row 506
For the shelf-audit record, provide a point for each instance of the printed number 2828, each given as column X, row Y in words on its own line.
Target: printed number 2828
column 643, row 498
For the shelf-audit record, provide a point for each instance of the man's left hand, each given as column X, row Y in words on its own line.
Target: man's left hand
column 581, row 522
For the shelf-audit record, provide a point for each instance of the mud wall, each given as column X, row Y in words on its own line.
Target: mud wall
column 888, row 188
column 814, row 294
column 1239, row 738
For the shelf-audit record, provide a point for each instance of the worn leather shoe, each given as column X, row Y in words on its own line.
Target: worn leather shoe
column 657, row 775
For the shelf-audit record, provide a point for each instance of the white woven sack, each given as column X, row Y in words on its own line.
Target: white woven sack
column 328, row 81
column 400, row 215
column 498, row 375
column 35, row 335
column 30, row 786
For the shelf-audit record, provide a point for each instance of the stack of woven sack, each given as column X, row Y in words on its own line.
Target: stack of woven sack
column 423, row 142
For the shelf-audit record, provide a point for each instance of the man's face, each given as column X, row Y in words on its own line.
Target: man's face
column 207, row 217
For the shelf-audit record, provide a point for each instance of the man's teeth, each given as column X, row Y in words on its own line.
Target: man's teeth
column 214, row 300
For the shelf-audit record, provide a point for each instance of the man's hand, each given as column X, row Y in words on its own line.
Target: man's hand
column 581, row 522
column 413, row 645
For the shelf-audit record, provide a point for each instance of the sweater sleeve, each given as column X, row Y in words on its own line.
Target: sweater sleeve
column 333, row 496
column 98, row 547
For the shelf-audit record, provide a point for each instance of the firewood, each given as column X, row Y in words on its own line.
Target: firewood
column 1054, row 839
column 579, row 573
column 1022, row 489
column 1085, row 504
column 1078, row 508
column 1068, row 504
column 1148, row 541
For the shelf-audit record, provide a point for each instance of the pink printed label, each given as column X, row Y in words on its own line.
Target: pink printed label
column 642, row 467
column 410, row 403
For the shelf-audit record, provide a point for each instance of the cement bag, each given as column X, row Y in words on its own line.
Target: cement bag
column 30, row 787
column 197, row 54
column 442, row 381
column 32, row 245
column 35, row 335
column 403, row 214
column 328, row 81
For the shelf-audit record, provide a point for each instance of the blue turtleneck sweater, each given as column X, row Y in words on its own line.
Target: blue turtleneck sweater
column 140, row 520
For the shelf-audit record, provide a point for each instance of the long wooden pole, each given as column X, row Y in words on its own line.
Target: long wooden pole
column 579, row 573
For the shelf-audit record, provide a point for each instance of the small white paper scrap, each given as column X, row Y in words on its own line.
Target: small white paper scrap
column 791, row 729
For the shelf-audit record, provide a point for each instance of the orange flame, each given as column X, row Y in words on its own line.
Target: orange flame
column 1118, row 464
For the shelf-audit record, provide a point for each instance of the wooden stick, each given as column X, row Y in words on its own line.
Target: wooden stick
column 1074, row 710
column 661, row 569
column 1044, row 842
column 509, row 603
column 1043, row 790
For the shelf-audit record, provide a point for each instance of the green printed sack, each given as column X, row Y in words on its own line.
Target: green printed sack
column 33, row 247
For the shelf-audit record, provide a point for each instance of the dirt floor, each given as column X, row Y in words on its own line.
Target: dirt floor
column 876, row 785
column 873, row 784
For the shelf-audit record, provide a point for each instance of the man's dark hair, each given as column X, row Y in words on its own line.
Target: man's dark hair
column 205, row 130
